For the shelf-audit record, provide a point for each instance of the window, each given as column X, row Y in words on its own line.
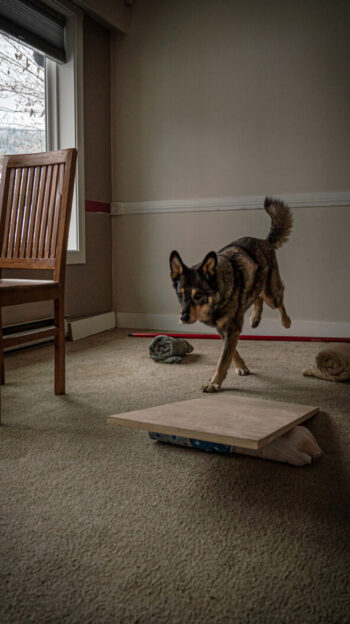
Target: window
column 41, row 103
column 22, row 98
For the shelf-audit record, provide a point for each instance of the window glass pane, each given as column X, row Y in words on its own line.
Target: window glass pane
column 22, row 98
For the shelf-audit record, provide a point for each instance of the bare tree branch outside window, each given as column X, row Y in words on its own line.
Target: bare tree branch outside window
column 22, row 98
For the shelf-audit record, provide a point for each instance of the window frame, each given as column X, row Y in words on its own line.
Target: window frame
column 65, row 123
column 64, row 118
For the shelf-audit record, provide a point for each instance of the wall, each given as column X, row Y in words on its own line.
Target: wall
column 88, row 286
column 231, row 99
column 111, row 13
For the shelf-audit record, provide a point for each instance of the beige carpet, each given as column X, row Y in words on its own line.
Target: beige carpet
column 101, row 525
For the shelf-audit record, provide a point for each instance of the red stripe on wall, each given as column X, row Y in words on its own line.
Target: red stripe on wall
column 95, row 206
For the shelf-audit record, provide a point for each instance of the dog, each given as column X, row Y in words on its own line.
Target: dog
column 226, row 283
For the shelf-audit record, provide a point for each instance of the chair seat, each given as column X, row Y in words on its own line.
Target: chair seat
column 15, row 291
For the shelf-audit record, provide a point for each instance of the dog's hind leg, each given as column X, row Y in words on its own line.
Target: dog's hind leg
column 277, row 302
column 255, row 316
column 240, row 366
column 285, row 319
column 229, row 352
column 273, row 295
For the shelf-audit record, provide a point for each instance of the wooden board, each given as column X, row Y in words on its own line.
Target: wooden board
column 225, row 418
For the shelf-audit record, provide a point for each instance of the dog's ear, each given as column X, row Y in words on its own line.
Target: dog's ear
column 176, row 265
column 209, row 263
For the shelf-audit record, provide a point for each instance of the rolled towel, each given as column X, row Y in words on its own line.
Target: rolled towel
column 297, row 447
column 169, row 350
column 332, row 362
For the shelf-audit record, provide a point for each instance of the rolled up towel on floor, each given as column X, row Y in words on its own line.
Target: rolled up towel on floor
column 332, row 362
column 169, row 350
column 297, row 447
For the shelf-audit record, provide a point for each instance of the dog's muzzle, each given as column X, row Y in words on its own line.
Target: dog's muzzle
column 185, row 313
column 184, row 317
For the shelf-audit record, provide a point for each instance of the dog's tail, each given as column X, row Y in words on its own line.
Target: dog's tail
column 282, row 221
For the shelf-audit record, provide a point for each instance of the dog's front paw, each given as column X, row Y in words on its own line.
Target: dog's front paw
column 211, row 387
column 242, row 370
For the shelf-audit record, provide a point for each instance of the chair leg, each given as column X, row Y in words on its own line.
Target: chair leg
column 2, row 365
column 59, row 347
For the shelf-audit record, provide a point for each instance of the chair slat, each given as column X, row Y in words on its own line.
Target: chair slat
column 39, row 210
column 27, row 210
column 50, row 216
column 57, row 211
column 45, row 212
column 33, row 212
column 20, row 214
column 14, row 210
column 8, row 212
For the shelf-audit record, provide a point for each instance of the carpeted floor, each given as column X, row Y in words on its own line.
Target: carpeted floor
column 101, row 525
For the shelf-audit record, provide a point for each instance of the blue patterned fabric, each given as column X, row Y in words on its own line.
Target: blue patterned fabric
column 209, row 447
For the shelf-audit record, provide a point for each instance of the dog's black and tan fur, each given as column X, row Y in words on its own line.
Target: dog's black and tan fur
column 220, row 289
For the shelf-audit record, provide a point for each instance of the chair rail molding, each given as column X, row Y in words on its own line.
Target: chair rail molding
column 250, row 202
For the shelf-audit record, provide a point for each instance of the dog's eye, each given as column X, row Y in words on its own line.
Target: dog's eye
column 197, row 296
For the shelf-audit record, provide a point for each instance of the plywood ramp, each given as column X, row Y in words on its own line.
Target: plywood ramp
column 225, row 418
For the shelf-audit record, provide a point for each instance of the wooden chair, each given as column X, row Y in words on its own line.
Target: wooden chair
column 35, row 202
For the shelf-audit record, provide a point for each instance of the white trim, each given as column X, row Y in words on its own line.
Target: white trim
column 51, row 104
column 79, row 256
column 67, row 90
column 267, row 327
column 253, row 202
column 88, row 326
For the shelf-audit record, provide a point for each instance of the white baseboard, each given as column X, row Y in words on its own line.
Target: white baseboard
column 81, row 328
column 267, row 327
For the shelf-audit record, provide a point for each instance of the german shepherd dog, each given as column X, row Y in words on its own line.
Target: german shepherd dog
column 220, row 289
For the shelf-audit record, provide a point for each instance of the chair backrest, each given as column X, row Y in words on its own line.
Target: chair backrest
column 35, row 202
